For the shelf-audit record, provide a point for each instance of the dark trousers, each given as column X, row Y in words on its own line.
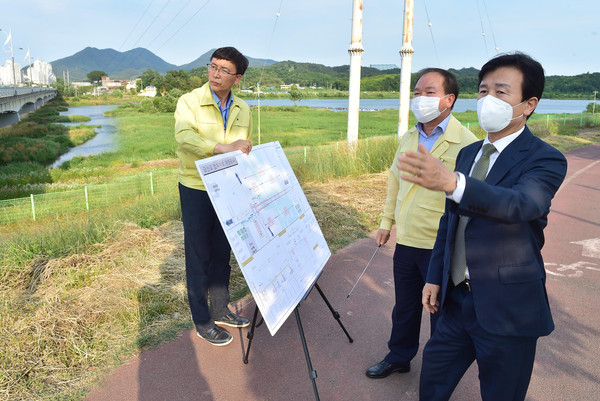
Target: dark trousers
column 505, row 362
column 207, row 254
column 410, row 272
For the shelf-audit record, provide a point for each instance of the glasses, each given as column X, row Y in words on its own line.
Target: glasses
column 214, row 68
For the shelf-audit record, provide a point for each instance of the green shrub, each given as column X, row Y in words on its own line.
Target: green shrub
column 24, row 129
column 147, row 106
column 165, row 104
column 28, row 149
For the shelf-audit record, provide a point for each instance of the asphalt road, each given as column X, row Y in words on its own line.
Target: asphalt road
column 567, row 364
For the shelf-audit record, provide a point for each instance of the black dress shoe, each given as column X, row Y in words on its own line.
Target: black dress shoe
column 384, row 369
column 232, row 320
column 215, row 335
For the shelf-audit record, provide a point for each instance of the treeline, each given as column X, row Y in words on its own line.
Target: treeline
column 336, row 78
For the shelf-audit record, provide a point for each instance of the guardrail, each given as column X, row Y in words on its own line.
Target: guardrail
column 7, row 91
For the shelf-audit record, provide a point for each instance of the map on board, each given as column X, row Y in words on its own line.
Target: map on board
column 271, row 228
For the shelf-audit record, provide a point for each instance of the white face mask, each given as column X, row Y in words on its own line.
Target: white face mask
column 426, row 108
column 494, row 114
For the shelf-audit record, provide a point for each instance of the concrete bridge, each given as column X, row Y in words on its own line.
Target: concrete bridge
column 18, row 102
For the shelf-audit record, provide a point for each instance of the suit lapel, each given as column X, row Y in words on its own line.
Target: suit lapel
column 510, row 156
column 468, row 156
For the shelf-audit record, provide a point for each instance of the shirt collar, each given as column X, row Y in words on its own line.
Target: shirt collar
column 441, row 126
column 503, row 142
column 216, row 98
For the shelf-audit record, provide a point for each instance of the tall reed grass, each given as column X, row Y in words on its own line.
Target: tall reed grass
column 326, row 162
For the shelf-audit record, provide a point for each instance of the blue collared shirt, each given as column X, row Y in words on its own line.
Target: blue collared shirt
column 224, row 110
column 430, row 140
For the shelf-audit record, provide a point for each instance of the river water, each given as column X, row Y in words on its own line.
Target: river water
column 546, row 106
column 104, row 141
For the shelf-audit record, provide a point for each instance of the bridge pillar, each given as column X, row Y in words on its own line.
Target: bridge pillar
column 8, row 119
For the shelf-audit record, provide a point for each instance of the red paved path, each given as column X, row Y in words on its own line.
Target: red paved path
column 567, row 365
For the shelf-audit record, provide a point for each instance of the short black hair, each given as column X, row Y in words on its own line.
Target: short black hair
column 533, row 72
column 232, row 54
column 450, row 83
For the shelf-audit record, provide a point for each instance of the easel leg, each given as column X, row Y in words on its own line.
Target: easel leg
column 311, row 373
column 250, row 334
column 335, row 313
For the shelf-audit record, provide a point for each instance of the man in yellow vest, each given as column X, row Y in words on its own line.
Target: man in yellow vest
column 210, row 120
column 416, row 211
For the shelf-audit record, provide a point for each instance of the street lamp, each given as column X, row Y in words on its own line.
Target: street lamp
column 12, row 54
column 28, row 55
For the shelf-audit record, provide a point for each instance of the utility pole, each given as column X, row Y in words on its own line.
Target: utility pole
column 258, row 99
column 406, row 53
column 594, row 105
column 356, row 50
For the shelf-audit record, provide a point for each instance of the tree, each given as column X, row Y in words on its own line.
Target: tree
column 96, row 75
column 152, row 78
column 196, row 82
column 296, row 95
column 177, row 80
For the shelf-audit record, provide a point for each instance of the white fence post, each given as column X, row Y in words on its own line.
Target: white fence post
column 32, row 207
column 151, row 184
column 87, row 203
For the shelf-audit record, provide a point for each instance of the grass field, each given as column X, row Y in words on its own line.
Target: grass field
column 80, row 295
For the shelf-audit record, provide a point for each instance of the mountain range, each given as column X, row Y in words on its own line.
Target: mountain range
column 124, row 65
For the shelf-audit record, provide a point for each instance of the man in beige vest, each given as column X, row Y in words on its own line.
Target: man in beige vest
column 416, row 212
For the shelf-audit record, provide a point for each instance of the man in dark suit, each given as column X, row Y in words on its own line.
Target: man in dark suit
column 486, row 272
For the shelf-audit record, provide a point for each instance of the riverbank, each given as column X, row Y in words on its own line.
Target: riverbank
column 146, row 139
column 111, row 279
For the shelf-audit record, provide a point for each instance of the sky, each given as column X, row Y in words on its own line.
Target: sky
column 564, row 36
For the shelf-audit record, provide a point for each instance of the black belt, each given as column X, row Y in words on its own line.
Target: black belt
column 465, row 283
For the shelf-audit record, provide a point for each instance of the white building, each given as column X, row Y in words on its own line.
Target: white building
column 132, row 84
column 41, row 73
column 7, row 74
column 150, row 91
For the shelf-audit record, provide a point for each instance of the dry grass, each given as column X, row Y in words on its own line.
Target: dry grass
column 64, row 318
column 66, row 322
column 581, row 138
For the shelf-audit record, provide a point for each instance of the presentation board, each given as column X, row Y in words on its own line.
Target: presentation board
column 270, row 225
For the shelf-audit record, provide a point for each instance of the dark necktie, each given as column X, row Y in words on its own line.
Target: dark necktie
column 458, row 267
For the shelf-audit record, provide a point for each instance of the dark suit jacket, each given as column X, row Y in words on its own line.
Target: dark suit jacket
column 504, row 236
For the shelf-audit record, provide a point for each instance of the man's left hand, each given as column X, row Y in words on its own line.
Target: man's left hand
column 427, row 171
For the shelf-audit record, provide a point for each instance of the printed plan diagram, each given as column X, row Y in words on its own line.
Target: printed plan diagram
column 272, row 230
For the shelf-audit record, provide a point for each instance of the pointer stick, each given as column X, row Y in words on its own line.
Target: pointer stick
column 375, row 253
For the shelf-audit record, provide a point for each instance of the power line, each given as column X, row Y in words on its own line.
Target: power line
column 482, row 30
column 431, row 32
column 136, row 24
column 152, row 23
column 169, row 23
column 262, row 71
column 490, row 23
column 184, row 24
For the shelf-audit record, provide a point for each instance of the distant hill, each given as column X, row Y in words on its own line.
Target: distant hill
column 124, row 65
column 205, row 59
